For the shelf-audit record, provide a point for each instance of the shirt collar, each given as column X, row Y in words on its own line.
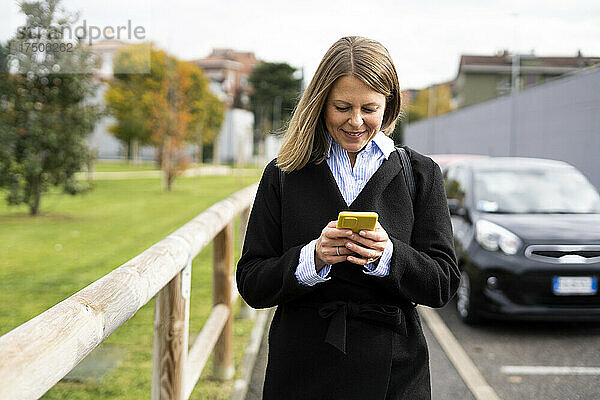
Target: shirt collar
column 381, row 142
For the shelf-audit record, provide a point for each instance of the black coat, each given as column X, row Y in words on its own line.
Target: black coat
column 385, row 349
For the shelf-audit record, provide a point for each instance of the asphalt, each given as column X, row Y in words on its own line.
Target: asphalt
column 493, row 345
column 446, row 384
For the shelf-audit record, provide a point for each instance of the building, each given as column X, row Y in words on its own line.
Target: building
column 228, row 71
column 482, row 78
column 235, row 141
column 105, row 51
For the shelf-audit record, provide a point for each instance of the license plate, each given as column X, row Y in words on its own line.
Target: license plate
column 568, row 285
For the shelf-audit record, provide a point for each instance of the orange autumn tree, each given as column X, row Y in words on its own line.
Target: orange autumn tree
column 171, row 103
column 170, row 119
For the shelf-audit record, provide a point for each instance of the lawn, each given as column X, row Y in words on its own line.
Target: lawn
column 78, row 239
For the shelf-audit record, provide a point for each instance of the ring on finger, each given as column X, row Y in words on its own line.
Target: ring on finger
column 337, row 250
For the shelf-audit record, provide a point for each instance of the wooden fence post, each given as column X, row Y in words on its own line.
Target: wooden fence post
column 245, row 310
column 222, row 273
column 171, row 335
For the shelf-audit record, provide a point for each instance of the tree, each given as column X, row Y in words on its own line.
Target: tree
column 171, row 120
column 128, row 99
column 422, row 107
column 45, row 115
column 275, row 95
column 398, row 133
column 168, row 107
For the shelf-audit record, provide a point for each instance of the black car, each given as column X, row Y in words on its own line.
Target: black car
column 527, row 236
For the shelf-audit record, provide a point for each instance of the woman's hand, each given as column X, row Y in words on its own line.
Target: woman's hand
column 337, row 245
column 368, row 245
column 330, row 247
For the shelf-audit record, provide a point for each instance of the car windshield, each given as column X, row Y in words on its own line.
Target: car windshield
column 535, row 191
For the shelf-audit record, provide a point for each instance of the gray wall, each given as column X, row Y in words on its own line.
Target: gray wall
column 559, row 120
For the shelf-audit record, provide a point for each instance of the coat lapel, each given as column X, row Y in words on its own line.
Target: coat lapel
column 380, row 180
column 323, row 170
column 375, row 185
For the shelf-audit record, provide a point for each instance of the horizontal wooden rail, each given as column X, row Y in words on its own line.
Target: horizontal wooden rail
column 36, row 355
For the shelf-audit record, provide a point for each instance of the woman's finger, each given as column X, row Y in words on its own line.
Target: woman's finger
column 327, row 242
column 363, row 251
column 368, row 243
column 335, row 254
column 378, row 243
column 339, row 251
column 357, row 260
column 332, row 231
column 378, row 235
column 335, row 233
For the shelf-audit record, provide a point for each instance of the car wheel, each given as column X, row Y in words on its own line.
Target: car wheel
column 464, row 303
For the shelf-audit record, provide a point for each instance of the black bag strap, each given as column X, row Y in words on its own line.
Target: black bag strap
column 407, row 170
column 281, row 176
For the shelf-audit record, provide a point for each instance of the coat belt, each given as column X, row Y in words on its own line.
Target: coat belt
column 338, row 312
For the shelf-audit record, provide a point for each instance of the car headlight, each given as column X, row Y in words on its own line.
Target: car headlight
column 493, row 237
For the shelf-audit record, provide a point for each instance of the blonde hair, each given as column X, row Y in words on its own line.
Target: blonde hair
column 305, row 139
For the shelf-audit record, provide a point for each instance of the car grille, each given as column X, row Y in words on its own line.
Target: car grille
column 564, row 254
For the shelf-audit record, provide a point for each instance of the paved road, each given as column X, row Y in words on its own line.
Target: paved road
column 258, row 373
column 495, row 344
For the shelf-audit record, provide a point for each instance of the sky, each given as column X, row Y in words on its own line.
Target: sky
column 425, row 38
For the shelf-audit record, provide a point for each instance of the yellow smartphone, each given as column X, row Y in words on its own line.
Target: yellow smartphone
column 357, row 221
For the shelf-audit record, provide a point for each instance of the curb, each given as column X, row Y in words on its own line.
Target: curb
column 240, row 386
column 465, row 367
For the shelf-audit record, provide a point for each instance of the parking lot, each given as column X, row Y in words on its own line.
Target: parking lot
column 529, row 360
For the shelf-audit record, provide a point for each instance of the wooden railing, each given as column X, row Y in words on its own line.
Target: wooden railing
column 36, row 355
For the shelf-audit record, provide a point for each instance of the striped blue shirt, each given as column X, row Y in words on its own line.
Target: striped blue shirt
column 350, row 182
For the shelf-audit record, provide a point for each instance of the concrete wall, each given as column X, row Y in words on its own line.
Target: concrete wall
column 559, row 120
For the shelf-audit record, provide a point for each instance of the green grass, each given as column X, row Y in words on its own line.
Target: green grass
column 77, row 240
column 114, row 166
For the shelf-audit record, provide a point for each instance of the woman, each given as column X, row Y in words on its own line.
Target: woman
column 345, row 325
